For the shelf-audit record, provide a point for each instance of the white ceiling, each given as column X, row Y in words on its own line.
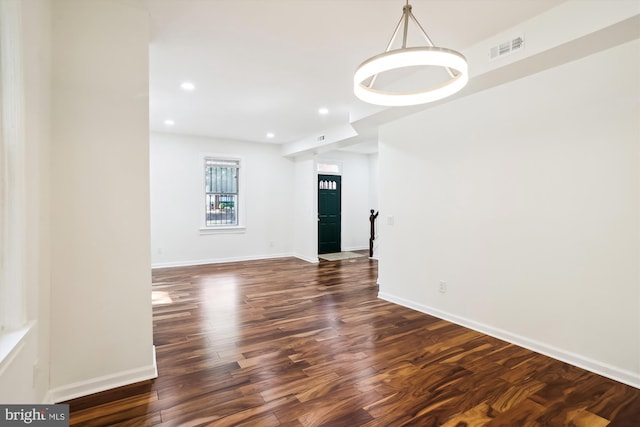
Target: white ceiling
column 268, row 65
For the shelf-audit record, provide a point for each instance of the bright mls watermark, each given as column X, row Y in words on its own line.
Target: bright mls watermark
column 36, row 415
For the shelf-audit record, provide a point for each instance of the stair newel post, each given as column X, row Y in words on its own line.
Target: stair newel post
column 372, row 234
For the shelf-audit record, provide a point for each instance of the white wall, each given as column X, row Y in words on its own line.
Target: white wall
column 37, row 31
column 356, row 190
column 525, row 200
column 374, row 201
column 305, row 208
column 177, row 202
column 101, row 329
column 373, row 180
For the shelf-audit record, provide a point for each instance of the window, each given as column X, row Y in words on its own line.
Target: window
column 327, row 167
column 13, row 314
column 221, row 192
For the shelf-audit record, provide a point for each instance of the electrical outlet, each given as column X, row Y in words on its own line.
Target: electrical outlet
column 443, row 287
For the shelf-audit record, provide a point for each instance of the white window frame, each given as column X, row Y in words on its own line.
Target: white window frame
column 240, row 208
column 328, row 167
column 13, row 313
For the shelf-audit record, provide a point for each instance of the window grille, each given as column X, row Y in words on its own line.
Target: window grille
column 221, row 192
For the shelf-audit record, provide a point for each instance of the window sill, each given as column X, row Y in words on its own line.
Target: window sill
column 223, row 230
column 10, row 342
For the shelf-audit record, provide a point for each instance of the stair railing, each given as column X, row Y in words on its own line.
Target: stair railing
column 372, row 234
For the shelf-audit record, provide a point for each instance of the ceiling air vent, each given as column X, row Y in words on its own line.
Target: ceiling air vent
column 507, row 47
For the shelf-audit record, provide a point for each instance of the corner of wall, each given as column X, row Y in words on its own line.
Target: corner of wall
column 107, row 382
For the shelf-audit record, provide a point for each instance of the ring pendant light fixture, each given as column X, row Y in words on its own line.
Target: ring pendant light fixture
column 454, row 63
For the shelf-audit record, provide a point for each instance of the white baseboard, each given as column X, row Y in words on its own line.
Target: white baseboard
column 595, row 366
column 107, row 382
column 188, row 263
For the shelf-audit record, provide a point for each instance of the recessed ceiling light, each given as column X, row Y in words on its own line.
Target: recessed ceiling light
column 270, row 135
column 188, row 86
column 169, row 122
column 323, row 111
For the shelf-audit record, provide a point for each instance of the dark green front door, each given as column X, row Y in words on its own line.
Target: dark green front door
column 328, row 214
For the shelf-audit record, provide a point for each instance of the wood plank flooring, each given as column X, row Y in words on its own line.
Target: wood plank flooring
column 287, row 343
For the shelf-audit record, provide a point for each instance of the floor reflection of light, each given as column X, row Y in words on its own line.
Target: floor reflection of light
column 159, row 297
column 220, row 292
column 219, row 295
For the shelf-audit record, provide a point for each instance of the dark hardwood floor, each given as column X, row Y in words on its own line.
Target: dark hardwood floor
column 287, row 343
